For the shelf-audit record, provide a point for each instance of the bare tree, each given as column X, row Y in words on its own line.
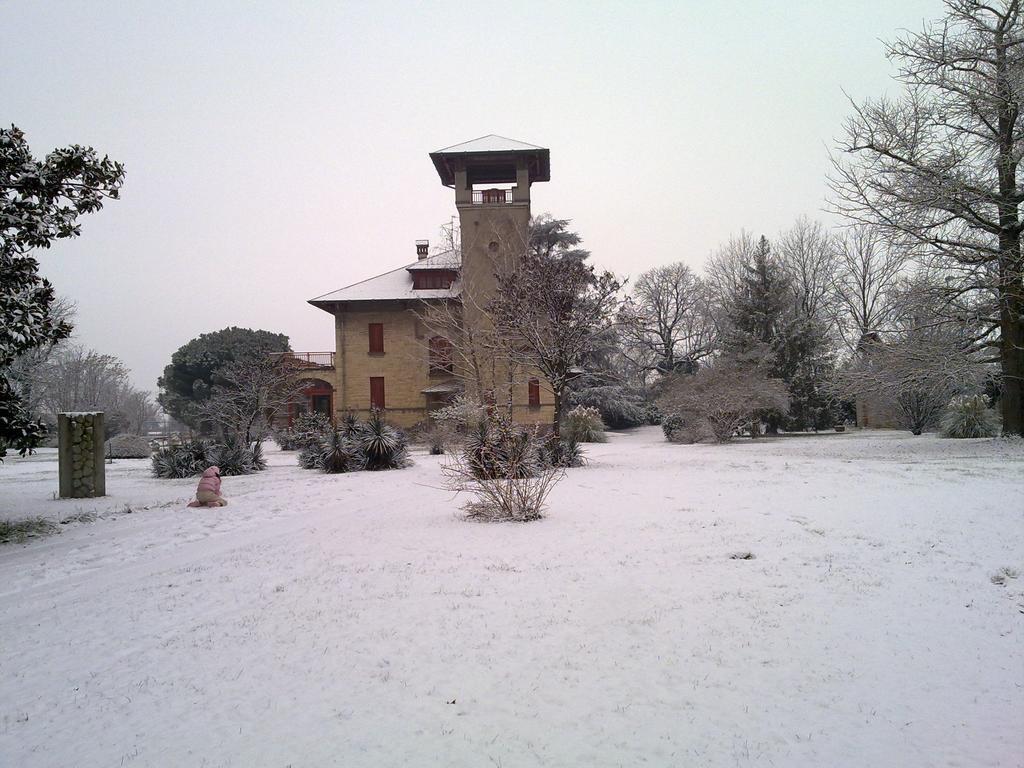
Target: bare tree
column 550, row 312
column 139, row 410
column 917, row 372
column 248, row 394
column 76, row 378
column 25, row 373
column 807, row 254
column 724, row 397
column 666, row 323
column 937, row 169
column 865, row 284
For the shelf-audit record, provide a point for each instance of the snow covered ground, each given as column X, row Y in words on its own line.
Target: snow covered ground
column 354, row 620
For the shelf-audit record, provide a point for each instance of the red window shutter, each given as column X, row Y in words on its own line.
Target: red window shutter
column 376, row 338
column 441, row 355
column 377, row 392
column 534, row 393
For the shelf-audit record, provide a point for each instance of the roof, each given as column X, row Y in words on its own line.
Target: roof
column 442, row 388
column 491, row 159
column 443, row 260
column 489, row 143
column 395, row 285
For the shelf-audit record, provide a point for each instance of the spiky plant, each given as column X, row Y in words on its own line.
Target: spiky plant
column 382, row 445
column 259, row 461
column 339, row 454
column 309, row 457
column 481, row 451
column 583, row 424
column 969, row 417
column 349, row 426
column 307, row 429
column 185, row 459
column 561, row 453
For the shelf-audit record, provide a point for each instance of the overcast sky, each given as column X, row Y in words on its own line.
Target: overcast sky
column 277, row 151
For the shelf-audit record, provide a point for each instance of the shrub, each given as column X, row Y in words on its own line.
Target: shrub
column 500, row 466
column 652, row 416
column 619, row 407
column 349, row 426
column 719, row 400
column 583, row 425
column 191, row 458
column 382, row 446
column 672, row 426
column 186, row 459
column 563, row 453
column 307, row 429
column 497, row 448
column 128, row 447
column 310, row 457
column 339, row 454
column 236, row 458
column 436, row 435
column 462, row 414
column 969, row 417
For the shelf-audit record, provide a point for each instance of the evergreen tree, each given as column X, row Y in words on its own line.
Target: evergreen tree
column 188, row 381
column 40, row 201
column 763, row 315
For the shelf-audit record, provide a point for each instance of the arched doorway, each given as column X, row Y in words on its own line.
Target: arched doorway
column 316, row 396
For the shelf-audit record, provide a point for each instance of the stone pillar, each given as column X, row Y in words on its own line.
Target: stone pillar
column 80, row 454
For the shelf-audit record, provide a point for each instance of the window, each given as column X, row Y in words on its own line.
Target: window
column 534, row 389
column 377, row 392
column 376, row 338
column 440, row 356
column 439, row 279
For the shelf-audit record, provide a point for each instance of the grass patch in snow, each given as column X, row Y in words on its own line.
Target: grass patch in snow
column 1003, row 574
column 17, row 531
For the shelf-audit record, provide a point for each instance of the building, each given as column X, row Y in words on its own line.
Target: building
column 391, row 351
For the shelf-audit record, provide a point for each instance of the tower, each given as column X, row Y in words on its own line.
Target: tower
column 491, row 177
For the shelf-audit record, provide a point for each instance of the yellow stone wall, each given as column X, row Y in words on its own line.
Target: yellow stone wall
column 404, row 366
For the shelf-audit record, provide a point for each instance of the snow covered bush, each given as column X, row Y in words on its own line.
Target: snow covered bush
column 439, row 437
column 969, row 417
column 501, row 467
column 498, row 448
column 191, row 458
column 307, row 429
column 381, row 445
column 721, row 399
column 237, row 458
column 339, row 454
column 128, row 447
column 461, row 414
column 561, row 453
column 310, row 456
column 620, row 407
column 186, row 459
column 583, row 424
column 354, row 445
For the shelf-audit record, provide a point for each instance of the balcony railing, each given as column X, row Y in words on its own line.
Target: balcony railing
column 492, row 196
column 306, row 360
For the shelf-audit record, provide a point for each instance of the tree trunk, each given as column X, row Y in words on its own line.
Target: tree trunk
column 1011, row 327
column 556, row 425
column 1011, row 265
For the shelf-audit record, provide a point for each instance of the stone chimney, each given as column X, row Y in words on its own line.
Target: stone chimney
column 422, row 247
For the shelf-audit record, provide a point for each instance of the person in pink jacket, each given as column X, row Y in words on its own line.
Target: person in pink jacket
column 208, row 492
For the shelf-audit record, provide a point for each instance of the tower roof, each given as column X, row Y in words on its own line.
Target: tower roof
column 486, row 154
column 490, row 143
